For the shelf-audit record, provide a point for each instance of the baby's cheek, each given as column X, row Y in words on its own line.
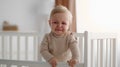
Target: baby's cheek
column 66, row 28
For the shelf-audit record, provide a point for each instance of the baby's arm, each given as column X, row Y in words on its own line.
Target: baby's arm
column 73, row 44
column 44, row 50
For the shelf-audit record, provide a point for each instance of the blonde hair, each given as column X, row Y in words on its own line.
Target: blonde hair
column 61, row 9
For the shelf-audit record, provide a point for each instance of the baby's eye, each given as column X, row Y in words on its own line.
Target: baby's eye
column 63, row 23
column 55, row 22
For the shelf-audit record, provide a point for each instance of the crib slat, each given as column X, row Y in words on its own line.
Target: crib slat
column 35, row 47
column 106, row 52
column 101, row 52
column 38, row 47
column 97, row 53
column 86, row 49
column 3, row 44
column 10, row 49
column 114, row 52
column 26, row 47
column 18, row 47
column 111, row 52
column 92, row 49
column 81, row 49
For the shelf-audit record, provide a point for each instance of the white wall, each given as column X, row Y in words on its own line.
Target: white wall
column 98, row 15
column 29, row 15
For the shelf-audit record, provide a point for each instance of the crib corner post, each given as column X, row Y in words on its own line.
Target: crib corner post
column 85, row 49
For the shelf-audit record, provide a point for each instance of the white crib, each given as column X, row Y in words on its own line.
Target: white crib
column 22, row 49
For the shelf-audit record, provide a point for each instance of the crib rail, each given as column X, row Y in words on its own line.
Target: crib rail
column 19, row 45
column 16, row 63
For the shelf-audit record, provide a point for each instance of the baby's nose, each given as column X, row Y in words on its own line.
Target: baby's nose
column 59, row 25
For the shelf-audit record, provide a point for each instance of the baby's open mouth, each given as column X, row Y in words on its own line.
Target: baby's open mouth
column 58, row 29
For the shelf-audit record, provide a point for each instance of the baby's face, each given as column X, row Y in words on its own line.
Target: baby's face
column 59, row 23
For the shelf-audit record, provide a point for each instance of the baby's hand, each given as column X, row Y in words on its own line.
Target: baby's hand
column 72, row 62
column 53, row 62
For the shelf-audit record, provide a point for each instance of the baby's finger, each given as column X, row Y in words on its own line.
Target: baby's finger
column 53, row 65
column 68, row 63
column 71, row 63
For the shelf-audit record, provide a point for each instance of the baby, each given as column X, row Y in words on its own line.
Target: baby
column 60, row 45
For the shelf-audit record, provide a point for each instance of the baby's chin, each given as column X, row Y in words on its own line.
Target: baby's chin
column 60, row 33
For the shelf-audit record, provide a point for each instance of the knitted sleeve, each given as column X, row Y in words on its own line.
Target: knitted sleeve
column 44, row 50
column 73, row 44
